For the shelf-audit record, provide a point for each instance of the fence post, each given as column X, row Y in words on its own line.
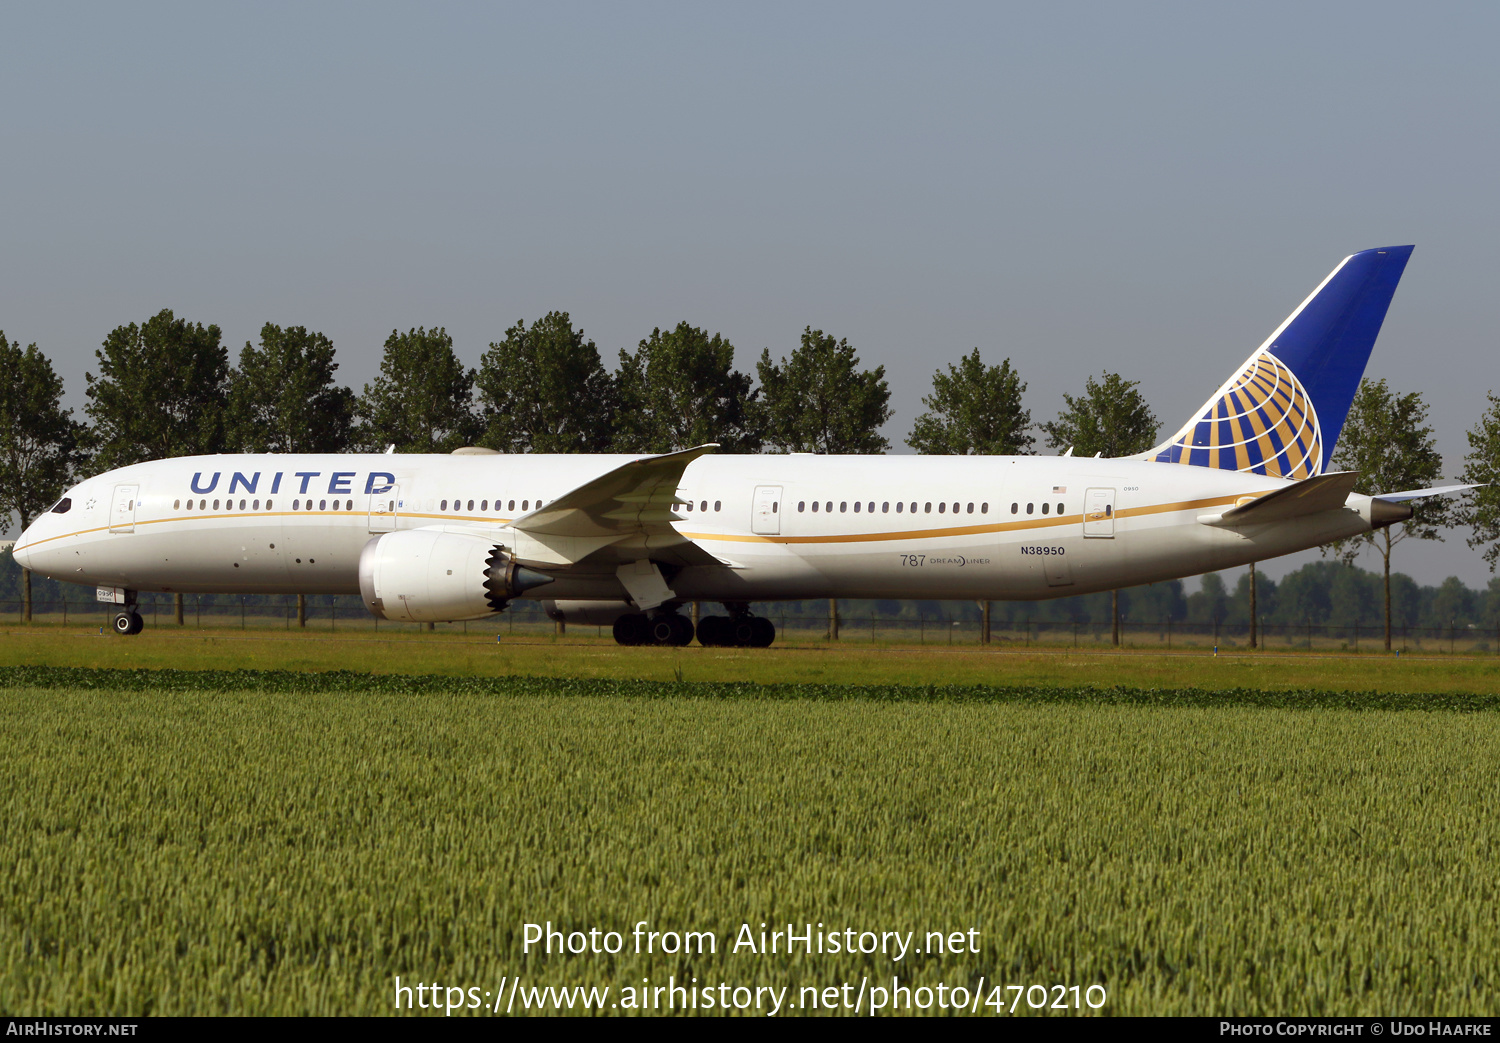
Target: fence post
column 65, row 611
column 984, row 631
column 1169, row 633
column 242, row 612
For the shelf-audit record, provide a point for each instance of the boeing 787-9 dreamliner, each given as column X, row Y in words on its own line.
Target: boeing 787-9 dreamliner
column 628, row 540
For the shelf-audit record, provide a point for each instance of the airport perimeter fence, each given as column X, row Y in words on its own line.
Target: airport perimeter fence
column 527, row 620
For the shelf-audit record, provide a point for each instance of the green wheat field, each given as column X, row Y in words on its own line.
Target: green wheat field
column 226, row 841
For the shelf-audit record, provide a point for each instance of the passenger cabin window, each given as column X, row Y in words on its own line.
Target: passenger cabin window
column 1028, row 508
column 815, row 506
column 1045, row 507
column 1014, row 508
column 885, row 508
column 801, row 506
column 942, row 508
column 1059, row 508
column 856, row 506
column 322, row 505
column 927, row 509
column 216, row 505
column 899, row 505
column 716, row 504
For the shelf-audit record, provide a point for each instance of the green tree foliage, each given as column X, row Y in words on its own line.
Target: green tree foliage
column 1211, row 603
column 39, row 440
column 974, row 409
column 680, row 389
column 1387, row 440
column 545, row 390
column 819, row 401
column 1480, row 509
column 283, row 399
column 422, row 402
column 1110, row 419
column 162, row 391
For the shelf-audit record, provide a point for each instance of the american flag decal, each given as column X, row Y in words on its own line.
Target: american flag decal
column 1059, row 489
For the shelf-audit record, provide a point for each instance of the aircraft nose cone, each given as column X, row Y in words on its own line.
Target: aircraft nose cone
column 21, row 552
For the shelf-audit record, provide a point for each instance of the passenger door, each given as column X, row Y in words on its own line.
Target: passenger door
column 765, row 519
column 122, row 508
column 383, row 509
column 1099, row 514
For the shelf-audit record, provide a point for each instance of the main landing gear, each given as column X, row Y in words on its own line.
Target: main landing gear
column 739, row 630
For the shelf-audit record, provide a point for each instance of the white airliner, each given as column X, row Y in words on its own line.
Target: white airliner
column 627, row 540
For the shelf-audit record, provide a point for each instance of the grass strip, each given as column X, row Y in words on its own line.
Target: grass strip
column 294, row 682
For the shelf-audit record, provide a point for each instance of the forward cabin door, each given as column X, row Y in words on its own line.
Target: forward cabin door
column 1099, row 514
column 383, row 509
column 122, row 508
column 765, row 520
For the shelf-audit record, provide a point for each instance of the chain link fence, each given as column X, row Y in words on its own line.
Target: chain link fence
column 348, row 615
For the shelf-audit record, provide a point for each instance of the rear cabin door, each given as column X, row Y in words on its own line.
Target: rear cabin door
column 122, row 508
column 765, row 518
column 1099, row 513
column 384, row 508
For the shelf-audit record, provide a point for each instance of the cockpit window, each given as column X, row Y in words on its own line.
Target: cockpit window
column 63, row 506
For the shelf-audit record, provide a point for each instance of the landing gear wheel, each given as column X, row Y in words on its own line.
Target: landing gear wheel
column 742, row 632
column 762, row 632
column 632, row 629
column 713, row 631
column 670, row 629
column 127, row 623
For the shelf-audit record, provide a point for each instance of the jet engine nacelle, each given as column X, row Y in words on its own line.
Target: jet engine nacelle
column 587, row 613
column 424, row 576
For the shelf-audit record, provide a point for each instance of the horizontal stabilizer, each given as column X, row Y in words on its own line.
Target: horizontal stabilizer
column 1326, row 492
column 1392, row 508
column 1419, row 494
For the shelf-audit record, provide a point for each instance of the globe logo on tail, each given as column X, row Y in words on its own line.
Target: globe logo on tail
column 1263, row 423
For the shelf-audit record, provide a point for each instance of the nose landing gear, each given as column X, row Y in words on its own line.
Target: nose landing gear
column 128, row 621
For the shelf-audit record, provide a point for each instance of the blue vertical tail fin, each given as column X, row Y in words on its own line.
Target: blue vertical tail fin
column 1282, row 411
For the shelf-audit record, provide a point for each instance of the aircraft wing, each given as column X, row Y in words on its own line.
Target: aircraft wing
column 622, row 515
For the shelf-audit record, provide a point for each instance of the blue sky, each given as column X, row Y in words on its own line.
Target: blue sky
column 1145, row 188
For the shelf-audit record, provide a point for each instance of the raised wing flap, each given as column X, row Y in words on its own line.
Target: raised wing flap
column 1326, row 492
column 629, row 509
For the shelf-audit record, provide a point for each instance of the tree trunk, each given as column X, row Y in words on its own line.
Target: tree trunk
column 833, row 619
column 25, row 595
column 302, row 610
column 1114, row 617
column 697, row 614
column 1387, row 557
column 1254, row 628
column 177, row 607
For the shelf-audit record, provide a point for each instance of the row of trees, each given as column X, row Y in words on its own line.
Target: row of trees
column 165, row 387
